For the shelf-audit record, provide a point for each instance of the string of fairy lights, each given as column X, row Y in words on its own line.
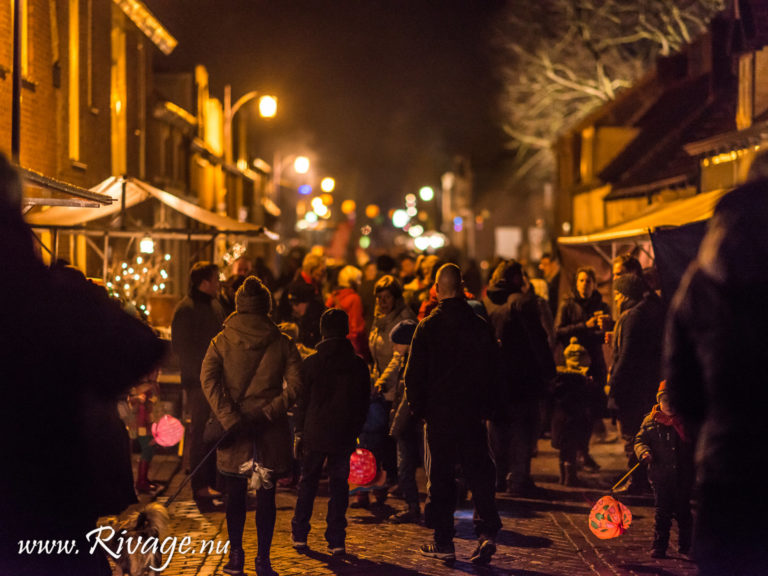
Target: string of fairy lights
column 137, row 279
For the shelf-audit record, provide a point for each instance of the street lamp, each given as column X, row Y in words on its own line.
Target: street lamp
column 327, row 184
column 267, row 109
column 426, row 193
column 301, row 165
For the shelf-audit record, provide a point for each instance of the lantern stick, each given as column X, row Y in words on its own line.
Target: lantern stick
column 620, row 482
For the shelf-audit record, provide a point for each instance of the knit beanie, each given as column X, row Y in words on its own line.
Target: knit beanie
column 403, row 331
column 253, row 297
column 630, row 285
column 334, row 323
column 576, row 356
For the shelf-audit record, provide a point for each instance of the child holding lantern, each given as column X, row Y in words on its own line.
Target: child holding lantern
column 664, row 447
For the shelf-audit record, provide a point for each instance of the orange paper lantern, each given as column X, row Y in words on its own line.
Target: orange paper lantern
column 609, row 518
column 362, row 467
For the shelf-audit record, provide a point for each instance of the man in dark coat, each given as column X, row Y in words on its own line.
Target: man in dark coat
column 450, row 383
column 527, row 368
column 329, row 415
column 197, row 319
column 68, row 352
column 717, row 380
column 636, row 370
column 550, row 267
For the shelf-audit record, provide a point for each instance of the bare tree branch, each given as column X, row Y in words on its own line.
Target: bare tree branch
column 563, row 58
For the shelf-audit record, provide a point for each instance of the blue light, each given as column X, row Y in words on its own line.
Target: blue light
column 458, row 221
column 305, row 189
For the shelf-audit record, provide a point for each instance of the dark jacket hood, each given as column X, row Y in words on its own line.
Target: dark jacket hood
column 735, row 248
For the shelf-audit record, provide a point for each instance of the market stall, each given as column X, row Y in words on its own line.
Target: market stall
column 667, row 236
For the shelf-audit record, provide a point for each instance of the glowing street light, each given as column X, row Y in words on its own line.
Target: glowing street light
column 348, row 207
column 426, row 193
column 372, row 211
column 267, row 106
column 400, row 218
column 301, row 165
column 267, row 109
column 416, row 231
column 327, row 184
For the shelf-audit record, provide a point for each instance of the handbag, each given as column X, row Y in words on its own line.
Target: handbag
column 213, row 430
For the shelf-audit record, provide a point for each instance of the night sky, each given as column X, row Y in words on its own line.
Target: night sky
column 384, row 93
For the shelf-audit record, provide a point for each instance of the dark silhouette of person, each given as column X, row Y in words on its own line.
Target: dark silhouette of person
column 330, row 411
column 717, row 381
column 196, row 320
column 450, row 383
column 69, row 353
column 242, row 376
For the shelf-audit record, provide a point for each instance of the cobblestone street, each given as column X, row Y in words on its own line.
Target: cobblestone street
column 545, row 536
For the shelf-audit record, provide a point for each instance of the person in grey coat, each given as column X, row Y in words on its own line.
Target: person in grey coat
column 242, row 376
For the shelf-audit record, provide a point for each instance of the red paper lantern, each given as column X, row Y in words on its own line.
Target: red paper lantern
column 167, row 431
column 362, row 467
column 609, row 518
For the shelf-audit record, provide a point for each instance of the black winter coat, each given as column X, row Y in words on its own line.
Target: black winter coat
column 525, row 359
column 333, row 398
column 715, row 365
column 637, row 352
column 196, row 320
column 570, row 407
column 450, row 378
column 671, row 457
column 69, row 352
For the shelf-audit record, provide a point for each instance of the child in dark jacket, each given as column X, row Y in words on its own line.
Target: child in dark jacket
column 571, row 426
column 330, row 410
column 663, row 446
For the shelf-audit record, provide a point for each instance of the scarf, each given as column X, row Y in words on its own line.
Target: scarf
column 667, row 420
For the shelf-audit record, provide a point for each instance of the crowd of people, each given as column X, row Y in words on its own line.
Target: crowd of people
column 411, row 357
column 400, row 357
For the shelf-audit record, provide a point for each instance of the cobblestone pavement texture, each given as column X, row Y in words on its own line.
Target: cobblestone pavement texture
column 546, row 535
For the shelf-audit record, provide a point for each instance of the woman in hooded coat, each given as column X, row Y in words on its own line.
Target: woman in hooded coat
column 242, row 377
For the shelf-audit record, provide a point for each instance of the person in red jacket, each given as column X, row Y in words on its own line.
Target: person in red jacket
column 346, row 297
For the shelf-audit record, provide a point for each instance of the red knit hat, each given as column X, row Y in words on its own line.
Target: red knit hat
column 662, row 389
